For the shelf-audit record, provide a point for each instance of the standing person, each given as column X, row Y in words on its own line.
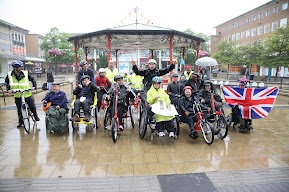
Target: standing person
column 111, row 71
column 188, row 72
column 103, row 84
column 50, row 78
column 247, row 73
column 195, row 82
column 182, row 81
column 174, row 90
column 135, row 81
column 19, row 79
column 85, row 70
column 205, row 74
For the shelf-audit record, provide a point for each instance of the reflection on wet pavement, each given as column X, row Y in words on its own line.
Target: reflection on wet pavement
column 93, row 153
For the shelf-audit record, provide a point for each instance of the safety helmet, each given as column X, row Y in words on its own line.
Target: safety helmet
column 243, row 81
column 83, row 62
column 102, row 70
column 157, row 79
column 188, row 87
column 17, row 63
column 117, row 77
column 85, row 77
column 152, row 61
column 207, row 83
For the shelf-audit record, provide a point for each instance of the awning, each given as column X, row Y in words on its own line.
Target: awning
column 29, row 63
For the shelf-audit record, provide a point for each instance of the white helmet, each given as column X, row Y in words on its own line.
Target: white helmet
column 152, row 61
column 102, row 70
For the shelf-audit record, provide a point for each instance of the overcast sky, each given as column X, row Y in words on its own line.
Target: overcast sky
column 83, row 16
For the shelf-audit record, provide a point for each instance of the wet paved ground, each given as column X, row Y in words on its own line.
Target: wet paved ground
column 91, row 159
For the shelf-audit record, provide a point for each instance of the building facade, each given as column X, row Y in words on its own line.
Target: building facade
column 254, row 26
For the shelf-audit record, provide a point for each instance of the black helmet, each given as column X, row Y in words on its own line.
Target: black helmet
column 117, row 77
column 83, row 62
column 84, row 77
column 206, row 82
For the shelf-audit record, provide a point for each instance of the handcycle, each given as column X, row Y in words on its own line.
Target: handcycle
column 26, row 112
column 113, row 120
column 93, row 111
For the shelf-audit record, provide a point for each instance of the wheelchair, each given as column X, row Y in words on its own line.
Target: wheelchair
column 234, row 120
column 93, row 111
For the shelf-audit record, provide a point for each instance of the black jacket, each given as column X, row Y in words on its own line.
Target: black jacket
column 174, row 89
column 208, row 98
column 196, row 85
column 123, row 95
column 149, row 74
column 50, row 77
column 87, row 92
column 187, row 105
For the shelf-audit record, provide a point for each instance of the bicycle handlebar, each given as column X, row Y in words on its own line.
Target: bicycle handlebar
column 21, row 90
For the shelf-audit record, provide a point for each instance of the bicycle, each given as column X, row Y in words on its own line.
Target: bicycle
column 26, row 112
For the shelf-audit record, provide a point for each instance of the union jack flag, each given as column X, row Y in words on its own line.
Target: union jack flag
column 254, row 103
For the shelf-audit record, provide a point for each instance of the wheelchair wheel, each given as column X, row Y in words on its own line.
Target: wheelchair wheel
column 95, row 117
column 222, row 126
column 114, row 127
column 72, row 122
column 176, row 126
column 131, row 116
column 143, row 124
column 46, row 123
column 107, row 118
column 207, row 130
column 229, row 120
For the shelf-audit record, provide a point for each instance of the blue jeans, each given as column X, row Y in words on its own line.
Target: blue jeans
column 49, row 86
column 190, row 121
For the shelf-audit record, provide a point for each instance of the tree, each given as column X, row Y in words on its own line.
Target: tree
column 102, row 61
column 226, row 53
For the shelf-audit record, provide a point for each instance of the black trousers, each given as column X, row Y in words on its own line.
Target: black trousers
column 31, row 104
column 168, row 125
column 85, row 106
column 121, row 110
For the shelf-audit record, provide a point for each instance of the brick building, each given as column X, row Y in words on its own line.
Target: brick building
column 254, row 25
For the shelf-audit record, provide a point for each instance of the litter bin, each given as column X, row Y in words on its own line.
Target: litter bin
column 251, row 78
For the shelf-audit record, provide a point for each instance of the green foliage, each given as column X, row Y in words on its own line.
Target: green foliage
column 276, row 52
column 227, row 53
column 102, row 61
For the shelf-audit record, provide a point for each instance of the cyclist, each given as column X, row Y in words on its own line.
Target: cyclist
column 174, row 90
column 19, row 79
column 124, row 93
column 111, row 71
column 84, row 71
column 154, row 95
column 102, row 83
column 85, row 96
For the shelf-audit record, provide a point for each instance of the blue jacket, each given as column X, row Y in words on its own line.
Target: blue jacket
column 58, row 98
column 81, row 72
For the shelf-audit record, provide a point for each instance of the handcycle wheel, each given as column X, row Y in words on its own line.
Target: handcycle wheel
column 222, row 126
column 114, row 127
column 26, row 120
column 207, row 131
column 107, row 118
column 131, row 116
column 229, row 120
column 143, row 123
column 176, row 126
column 140, row 108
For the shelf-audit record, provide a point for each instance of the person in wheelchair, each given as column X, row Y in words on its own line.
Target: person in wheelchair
column 154, row 95
column 84, row 98
column 55, row 105
column 187, row 111
column 174, row 90
column 124, row 93
column 195, row 82
column 103, row 84
column 206, row 97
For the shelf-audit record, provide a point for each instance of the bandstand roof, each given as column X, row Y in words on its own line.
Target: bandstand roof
column 140, row 37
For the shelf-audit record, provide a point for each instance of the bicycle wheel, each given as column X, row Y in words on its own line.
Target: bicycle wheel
column 26, row 120
column 177, row 126
column 222, row 126
column 131, row 116
column 143, row 124
column 107, row 119
column 140, row 108
column 207, row 132
column 114, row 127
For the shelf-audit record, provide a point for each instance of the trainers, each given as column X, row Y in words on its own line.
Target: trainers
column 87, row 118
column 161, row 134
column 75, row 118
column 20, row 124
column 121, row 127
column 108, row 127
column 194, row 135
column 36, row 118
column 172, row 134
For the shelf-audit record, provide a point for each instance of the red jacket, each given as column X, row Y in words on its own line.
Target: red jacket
column 102, row 81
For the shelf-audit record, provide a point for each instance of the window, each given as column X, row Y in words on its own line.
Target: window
column 247, row 20
column 267, row 13
column 243, row 21
column 237, row 36
column 274, row 25
column 243, row 35
column 253, row 32
column 233, row 37
column 237, row 24
column 283, row 22
column 233, row 26
column 21, row 38
column 275, row 9
column 285, row 6
column 260, row 29
column 247, row 33
column 254, row 17
column 267, row 28
column 260, row 16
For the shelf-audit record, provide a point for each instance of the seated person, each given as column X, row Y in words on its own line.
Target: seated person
column 195, row 82
column 84, row 98
column 102, row 83
column 206, row 97
column 174, row 90
column 154, row 95
column 124, row 93
column 58, row 105
column 187, row 111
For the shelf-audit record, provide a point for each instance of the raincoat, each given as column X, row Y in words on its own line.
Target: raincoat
column 163, row 96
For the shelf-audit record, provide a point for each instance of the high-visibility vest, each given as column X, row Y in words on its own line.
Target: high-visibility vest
column 136, row 81
column 110, row 74
column 23, row 84
column 188, row 75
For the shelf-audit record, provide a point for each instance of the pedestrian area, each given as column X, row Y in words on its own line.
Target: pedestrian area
column 88, row 159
